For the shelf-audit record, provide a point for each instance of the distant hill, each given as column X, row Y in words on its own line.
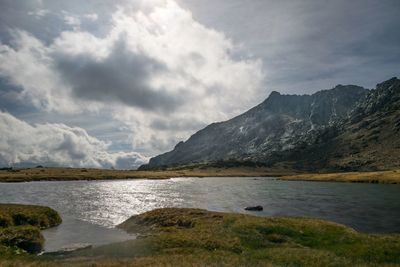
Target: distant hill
column 344, row 128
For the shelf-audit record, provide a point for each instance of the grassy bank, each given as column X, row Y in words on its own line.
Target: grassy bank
column 71, row 174
column 383, row 177
column 194, row 237
column 20, row 227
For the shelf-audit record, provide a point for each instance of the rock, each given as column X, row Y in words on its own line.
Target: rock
column 254, row 208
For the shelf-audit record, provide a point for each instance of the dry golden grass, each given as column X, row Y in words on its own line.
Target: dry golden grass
column 382, row 177
column 71, row 174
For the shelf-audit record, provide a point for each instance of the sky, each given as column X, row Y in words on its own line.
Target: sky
column 109, row 84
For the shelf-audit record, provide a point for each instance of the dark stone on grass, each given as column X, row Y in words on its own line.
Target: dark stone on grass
column 254, row 208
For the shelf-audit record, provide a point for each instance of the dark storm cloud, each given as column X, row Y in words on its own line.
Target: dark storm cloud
column 123, row 76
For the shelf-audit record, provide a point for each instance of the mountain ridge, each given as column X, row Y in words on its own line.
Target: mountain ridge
column 288, row 130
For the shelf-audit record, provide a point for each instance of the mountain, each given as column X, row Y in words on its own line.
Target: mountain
column 347, row 127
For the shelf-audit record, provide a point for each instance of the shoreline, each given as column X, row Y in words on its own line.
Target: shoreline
column 78, row 174
column 83, row 174
column 376, row 177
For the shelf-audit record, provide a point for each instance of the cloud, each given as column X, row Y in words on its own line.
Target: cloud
column 91, row 16
column 58, row 145
column 122, row 76
column 310, row 45
column 39, row 13
column 155, row 69
column 72, row 20
column 163, row 52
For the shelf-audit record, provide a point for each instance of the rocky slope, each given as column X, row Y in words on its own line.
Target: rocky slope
column 347, row 127
column 369, row 139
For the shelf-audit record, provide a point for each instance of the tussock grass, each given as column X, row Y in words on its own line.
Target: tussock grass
column 20, row 226
column 27, row 238
column 383, row 177
column 17, row 214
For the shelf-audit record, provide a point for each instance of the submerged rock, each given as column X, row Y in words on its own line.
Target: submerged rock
column 254, row 208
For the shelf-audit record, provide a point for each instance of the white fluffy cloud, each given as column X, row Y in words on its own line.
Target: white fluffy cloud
column 157, row 70
column 58, row 144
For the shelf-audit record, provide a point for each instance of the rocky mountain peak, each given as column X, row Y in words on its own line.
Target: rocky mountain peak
column 274, row 94
column 387, row 85
column 279, row 124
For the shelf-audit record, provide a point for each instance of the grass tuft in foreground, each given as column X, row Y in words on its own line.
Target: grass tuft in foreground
column 194, row 237
column 20, row 226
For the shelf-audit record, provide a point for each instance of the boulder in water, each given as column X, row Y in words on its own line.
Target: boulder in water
column 254, row 208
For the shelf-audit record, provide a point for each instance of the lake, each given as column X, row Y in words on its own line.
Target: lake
column 91, row 209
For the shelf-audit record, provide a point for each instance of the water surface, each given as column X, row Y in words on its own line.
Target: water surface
column 91, row 209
